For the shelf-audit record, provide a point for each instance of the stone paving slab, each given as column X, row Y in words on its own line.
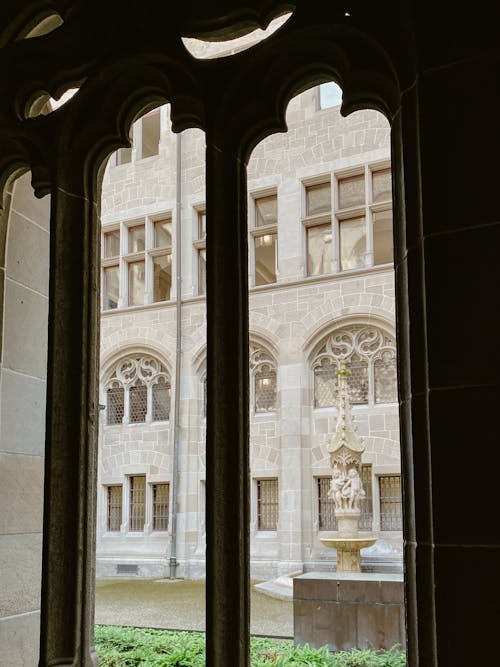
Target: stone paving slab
column 180, row 605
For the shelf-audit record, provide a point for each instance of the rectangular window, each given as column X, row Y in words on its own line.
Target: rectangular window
column 163, row 233
column 160, row 506
column 265, row 239
column 318, row 199
column 383, row 246
column 202, row 225
column 202, row 271
column 162, row 277
column 319, row 249
column 351, row 191
column 150, row 134
column 352, row 239
column 391, row 511
column 136, row 281
column 267, row 504
column 114, row 520
column 265, row 259
column 326, row 510
column 137, row 502
column 123, row 155
column 199, row 246
column 111, row 288
column 136, row 239
column 381, row 185
column 112, row 243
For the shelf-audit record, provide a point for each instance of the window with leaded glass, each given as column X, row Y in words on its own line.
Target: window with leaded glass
column 391, row 509
column 138, row 396
column 370, row 356
column 137, row 511
column 115, row 404
column 161, row 400
column 267, row 504
column 199, row 246
column 114, row 518
column 264, row 379
column 140, row 379
column 265, row 388
column 160, row 506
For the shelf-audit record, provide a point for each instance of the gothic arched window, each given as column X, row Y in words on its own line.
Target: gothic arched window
column 370, row 355
column 263, row 379
column 138, row 391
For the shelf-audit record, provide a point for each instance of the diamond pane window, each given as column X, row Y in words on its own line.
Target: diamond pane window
column 160, row 506
column 352, row 191
column 318, row 199
column 114, row 518
column 352, row 238
column 265, row 389
column 357, row 381
column 138, row 402
column 161, row 400
column 326, row 509
column 381, row 185
column 267, row 504
column 162, row 277
column 163, row 233
column 325, row 384
column 391, row 511
column 137, row 502
column 319, row 249
column 266, row 211
column 386, row 381
column 115, row 405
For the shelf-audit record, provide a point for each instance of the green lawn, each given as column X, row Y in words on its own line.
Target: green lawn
column 135, row 647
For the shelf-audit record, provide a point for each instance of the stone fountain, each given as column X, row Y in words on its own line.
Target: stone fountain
column 346, row 489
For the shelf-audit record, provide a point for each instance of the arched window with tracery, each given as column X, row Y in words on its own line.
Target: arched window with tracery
column 138, row 391
column 263, row 379
column 370, row 354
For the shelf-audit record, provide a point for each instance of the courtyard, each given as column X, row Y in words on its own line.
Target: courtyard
column 180, row 605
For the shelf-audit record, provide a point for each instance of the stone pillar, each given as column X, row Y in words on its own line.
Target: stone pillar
column 67, row 612
column 228, row 543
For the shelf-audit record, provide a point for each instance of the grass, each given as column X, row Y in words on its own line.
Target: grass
column 142, row 647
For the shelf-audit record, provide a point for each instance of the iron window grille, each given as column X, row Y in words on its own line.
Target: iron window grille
column 326, row 511
column 114, row 515
column 391, row 510
column 161, row 493
column 137, row 502
column 267, row 504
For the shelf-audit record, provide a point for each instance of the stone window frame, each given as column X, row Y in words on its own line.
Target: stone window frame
column 199, row 248
column 126, row 258
column 146, row 369
column 257, row 480
column 260, row 358
column 259, row 231
column 387, row 343
column 336, row 215
column 108, row 488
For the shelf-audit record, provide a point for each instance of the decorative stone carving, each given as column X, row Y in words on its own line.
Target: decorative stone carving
column 346, row 489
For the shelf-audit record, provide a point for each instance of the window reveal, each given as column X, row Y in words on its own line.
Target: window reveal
column 267, row 504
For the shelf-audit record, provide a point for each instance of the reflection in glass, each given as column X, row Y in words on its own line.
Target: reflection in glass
column 111, row 288
column 266, row 211
column 352, row 191
column 150, row 134
column 381, row 185
column 318, row 199
column 136, row 239
column 162, row 277
column 136, row 283
column 112, row 243
column 352, row 237
column 319, row 250
column 265, row 259
column 383, row 245
column 163, row 233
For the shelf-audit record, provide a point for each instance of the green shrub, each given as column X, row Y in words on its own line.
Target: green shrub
column 142, row 647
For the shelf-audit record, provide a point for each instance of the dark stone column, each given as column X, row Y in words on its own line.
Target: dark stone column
column 227, row 593
column 67, row 613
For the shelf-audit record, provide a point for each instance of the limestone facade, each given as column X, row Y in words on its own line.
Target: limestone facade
column 290, row 320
